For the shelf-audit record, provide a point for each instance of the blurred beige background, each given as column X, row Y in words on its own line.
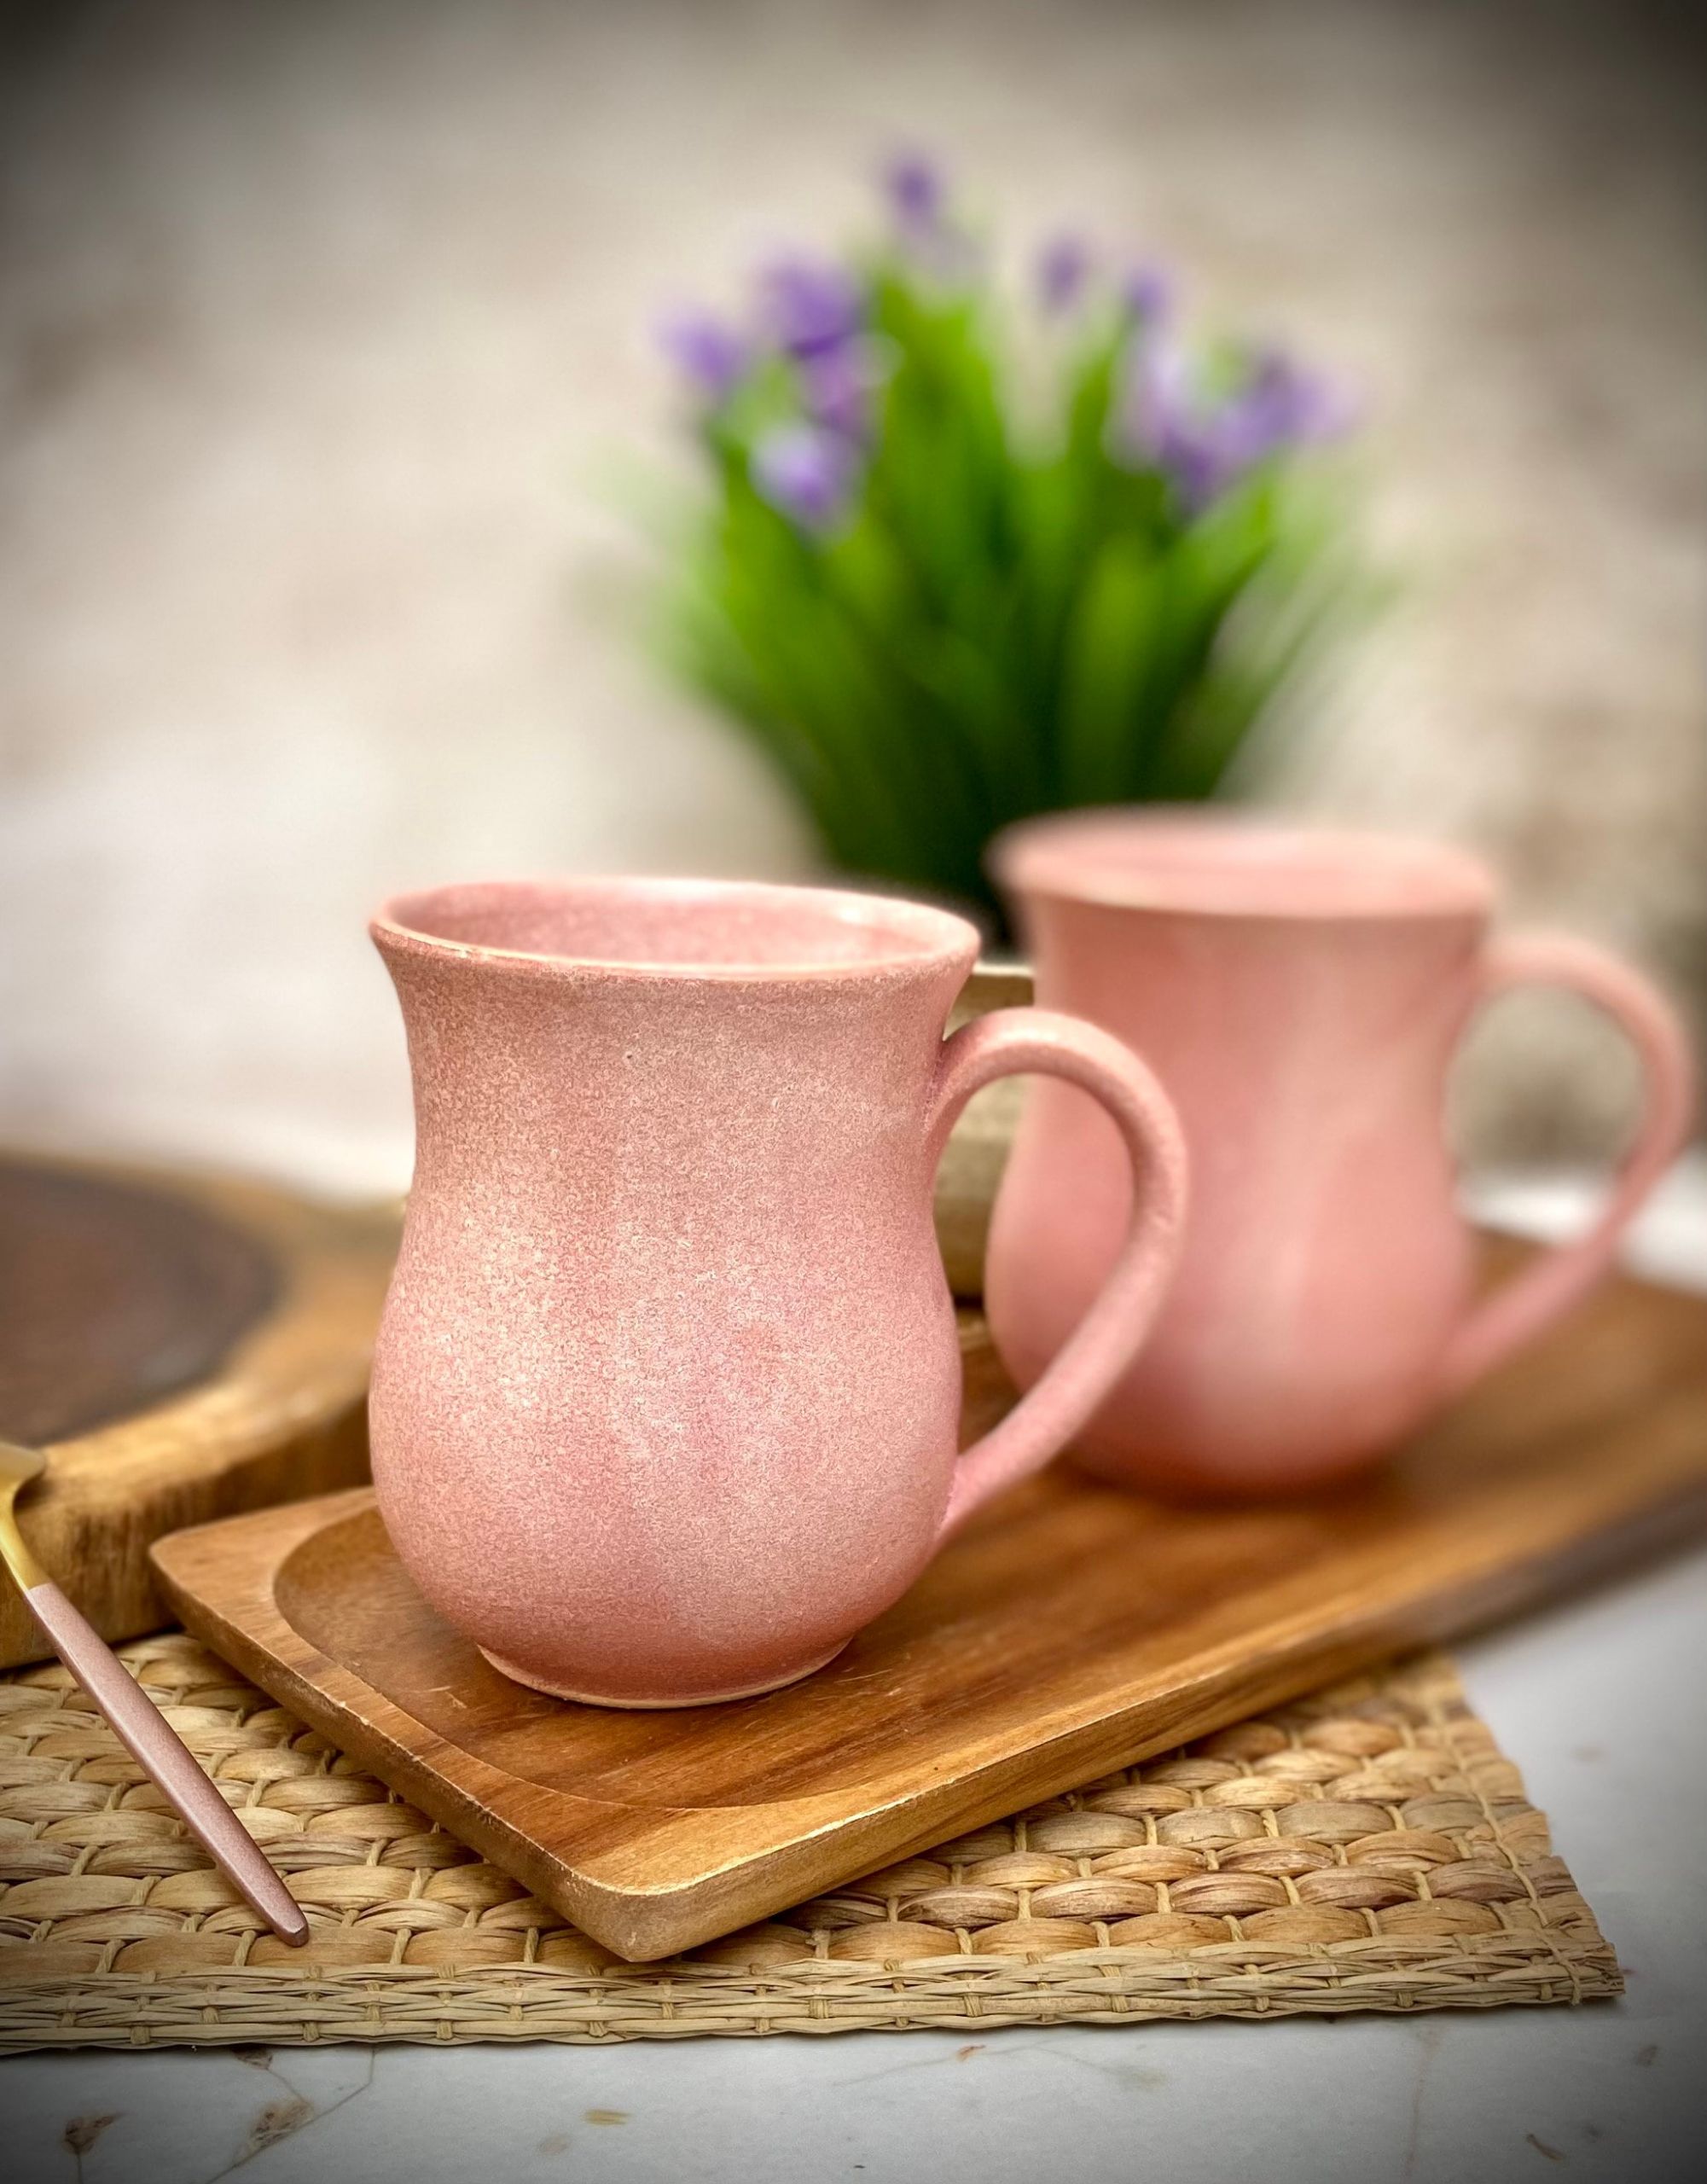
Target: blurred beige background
column 326, row 342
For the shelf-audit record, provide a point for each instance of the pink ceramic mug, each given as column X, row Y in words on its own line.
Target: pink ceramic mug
column 1301, row 994
column 665, row 1396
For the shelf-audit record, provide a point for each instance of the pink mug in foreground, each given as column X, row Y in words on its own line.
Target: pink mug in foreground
column 1301, row 994
column 666, row 1393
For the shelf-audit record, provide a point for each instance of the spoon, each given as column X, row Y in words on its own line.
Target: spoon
column 150, row 1739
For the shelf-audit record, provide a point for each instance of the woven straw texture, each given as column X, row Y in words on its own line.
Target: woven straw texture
column 1367, row 1849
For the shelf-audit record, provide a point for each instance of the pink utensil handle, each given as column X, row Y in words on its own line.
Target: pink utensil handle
column 1553, row 1283
column 1008, row 1042
column 163, row 1758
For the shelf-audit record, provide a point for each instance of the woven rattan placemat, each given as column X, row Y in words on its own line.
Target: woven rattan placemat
column 1369, row 1848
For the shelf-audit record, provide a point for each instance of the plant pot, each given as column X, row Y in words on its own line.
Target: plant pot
column 977, row 1151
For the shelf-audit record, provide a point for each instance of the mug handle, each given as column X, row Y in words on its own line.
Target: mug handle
column 1552, row 1283
column 1010, row 1042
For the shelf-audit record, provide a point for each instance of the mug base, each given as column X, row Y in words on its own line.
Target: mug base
column 658, row 1705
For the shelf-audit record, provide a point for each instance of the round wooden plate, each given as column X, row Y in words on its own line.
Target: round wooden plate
column 185, row 1347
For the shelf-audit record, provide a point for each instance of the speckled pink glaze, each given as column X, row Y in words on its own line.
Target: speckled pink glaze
column 1301, row 994
column 665, row 1398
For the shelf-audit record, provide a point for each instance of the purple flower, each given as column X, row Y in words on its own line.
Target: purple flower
column 1156, row 398
column 806, row 472
column 1147, row 293
column 1284, row 404
column 1063, row 268
column 1276, row 406
column 1205, row 442
column 1165, row 418
column 836, row 388
column 810, row 305
column 711, row 356
column 913, row 185
column 933, row 242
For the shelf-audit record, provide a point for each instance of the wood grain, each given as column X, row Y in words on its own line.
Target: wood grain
column 114, row 1295
column 185, row 1347
column 1070, row 1630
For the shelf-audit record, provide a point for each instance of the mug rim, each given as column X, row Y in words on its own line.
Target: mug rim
column 1234, row 866
column 921, row 936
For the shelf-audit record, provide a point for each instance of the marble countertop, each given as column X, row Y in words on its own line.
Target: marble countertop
column 1601, row 1701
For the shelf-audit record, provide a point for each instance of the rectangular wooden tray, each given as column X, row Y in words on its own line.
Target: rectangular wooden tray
column 1071, row 1630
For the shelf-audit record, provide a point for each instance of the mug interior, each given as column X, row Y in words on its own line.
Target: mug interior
column 1238, row 867
column 732, row 928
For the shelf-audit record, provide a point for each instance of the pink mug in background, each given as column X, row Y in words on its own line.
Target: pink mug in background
column 1300, row 994
column 666, row 1391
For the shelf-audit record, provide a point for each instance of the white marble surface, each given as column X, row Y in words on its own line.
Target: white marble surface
column 1600, row 1701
